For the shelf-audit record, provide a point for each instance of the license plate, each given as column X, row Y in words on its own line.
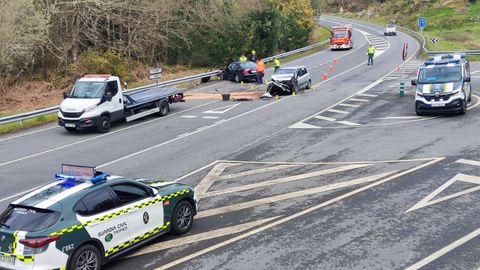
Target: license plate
column 69, row 125
column 438, row 104
column 7, row 259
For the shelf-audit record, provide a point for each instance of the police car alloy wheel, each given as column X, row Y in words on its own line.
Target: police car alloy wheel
column 86, row 257
column 182, row 217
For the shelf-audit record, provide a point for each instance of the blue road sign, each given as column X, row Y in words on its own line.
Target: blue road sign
column 422, row 22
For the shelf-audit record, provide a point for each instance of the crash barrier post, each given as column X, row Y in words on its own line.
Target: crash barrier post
column 402, row 88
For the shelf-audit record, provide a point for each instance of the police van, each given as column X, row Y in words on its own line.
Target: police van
column 443, row 85
column 86, row 218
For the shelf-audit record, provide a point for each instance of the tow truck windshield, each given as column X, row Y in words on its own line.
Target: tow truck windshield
column 339, row 34
column 441, row 74
column 88, row 90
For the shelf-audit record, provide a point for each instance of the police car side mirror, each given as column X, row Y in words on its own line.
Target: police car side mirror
column 467, row 79
column 414, row 82
column 153, row 192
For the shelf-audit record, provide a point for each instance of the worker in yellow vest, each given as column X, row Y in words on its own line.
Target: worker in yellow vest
column 370, row 54
column 243, row 58
column 276, row 64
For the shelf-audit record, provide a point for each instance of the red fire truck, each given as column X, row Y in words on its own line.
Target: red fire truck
column 341, row 37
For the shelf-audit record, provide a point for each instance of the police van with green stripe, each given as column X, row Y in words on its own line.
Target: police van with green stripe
column 86, row 218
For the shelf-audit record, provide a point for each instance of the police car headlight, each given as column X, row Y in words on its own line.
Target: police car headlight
column 90, row 108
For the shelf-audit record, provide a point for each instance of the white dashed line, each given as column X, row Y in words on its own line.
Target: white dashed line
column 189, row 116
column 210, row 117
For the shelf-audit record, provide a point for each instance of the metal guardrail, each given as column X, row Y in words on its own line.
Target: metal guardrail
column 27, row 115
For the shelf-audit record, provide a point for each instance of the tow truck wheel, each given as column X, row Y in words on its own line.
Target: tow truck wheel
column 182, row 218
column 71, row 129
column 86, row 257
column 104, row 125
column 164, row 108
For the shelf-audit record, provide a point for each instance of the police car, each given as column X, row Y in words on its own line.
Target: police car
column 86, row 218
column 443, row 85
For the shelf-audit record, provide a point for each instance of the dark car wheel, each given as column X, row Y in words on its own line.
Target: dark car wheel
column 104, row 125
column 182, row 218
column 71, row 129
column 87, row 257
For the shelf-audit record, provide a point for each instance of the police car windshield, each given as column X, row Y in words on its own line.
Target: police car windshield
column 440, row 74
column 21, row 218
column 88, row 90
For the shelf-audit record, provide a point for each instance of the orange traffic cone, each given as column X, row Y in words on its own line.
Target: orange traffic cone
column 331, row 68
column 324, row 76
column 335, row 60
column 398, row 68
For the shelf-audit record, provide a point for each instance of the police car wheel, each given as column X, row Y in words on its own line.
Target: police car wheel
column 87, row 257
column 182, row 217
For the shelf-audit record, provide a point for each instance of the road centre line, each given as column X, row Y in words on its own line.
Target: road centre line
column 283, row 180
column 337, row 111
column 191, row 133
column 291, row 217
column 101, row 136
column 444, row 250
column 290, row 195
column 195, row 238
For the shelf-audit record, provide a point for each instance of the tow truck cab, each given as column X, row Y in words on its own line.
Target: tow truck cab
column 443, row 85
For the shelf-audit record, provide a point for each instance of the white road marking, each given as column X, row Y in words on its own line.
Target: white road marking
column 359, row 100
column 283, row 180
column 337, row 111
column 444, row 250
column 348, row 105
column 290, row 195
column 223, row 109
column 475, row 72
column 301, row 125
column 195, row 238
column 468, row 162
column 189, row 116
column 256, row 171
column 325, row 118
column 28, row 133
column 210, row 117
column 399, row 117
column 427, row 201
column 201, row 128
column 291, row 217
column 19, row 194
column 208, row 180
column 348, row 123
column 367, row 95
column 183, row 135
column 101, row 136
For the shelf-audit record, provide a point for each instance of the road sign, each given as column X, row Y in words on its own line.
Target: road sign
column 422, row 22
column 155, row 73
column 434, row 40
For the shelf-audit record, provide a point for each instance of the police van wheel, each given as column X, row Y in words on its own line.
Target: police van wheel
column 182, row 218
column 87, row 257
column 463, row 110
column 104, row 125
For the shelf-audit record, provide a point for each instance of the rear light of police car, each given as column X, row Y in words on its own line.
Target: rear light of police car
column 39, row 242
column 245, row 71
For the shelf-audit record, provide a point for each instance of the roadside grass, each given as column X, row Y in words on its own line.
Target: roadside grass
column 318, row 34
column 15, row 126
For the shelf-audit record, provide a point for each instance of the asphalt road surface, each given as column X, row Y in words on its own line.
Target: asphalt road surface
column 344, row 176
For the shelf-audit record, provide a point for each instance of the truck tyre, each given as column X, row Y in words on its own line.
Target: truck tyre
column 86, row 257
column 164, row 108
column 182, row 217
column 104, row 125
column 70, row 129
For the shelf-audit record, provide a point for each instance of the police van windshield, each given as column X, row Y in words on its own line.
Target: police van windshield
column 88, row 90
column 440, row 74
column 21, row 218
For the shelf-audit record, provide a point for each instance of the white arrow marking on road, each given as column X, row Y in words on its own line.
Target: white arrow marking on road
column 427, row 201
column 284, row 180
column 190, row 239
column 291, row 195
column 223, row 109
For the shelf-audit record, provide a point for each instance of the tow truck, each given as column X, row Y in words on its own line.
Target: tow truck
column 97, row 100
column 443, row 85
column 341, row 37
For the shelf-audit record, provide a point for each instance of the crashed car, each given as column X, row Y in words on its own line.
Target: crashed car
column 288, row 80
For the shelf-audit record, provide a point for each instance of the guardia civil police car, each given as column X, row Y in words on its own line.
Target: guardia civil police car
column 443, row 85
column 86, row 218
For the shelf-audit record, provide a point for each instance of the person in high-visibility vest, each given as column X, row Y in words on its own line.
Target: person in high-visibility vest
column 243, row 58
column 370, row 54
column 276, row 64
column 260, row 69
column 253, row 57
